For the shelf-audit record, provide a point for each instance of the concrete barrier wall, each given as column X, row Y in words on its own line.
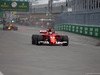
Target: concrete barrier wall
column 93, row 31
column 90, row 17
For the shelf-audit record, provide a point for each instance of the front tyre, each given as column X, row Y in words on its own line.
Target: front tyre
column 65, row 39
column 33, row 39
column 37, row 39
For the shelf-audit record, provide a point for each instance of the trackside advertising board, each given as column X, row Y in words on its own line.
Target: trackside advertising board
column 93, row 31
column 14, row 6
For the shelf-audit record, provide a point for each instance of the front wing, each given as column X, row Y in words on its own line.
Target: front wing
column 47, row 42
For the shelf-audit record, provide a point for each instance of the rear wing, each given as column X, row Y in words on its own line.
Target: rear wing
column 43, row 31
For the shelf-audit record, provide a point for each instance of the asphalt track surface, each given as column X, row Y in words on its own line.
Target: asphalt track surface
column 19, row 57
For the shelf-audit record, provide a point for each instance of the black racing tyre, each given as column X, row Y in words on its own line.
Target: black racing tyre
column 39, row 38
column 34, row 38
column 65, row 38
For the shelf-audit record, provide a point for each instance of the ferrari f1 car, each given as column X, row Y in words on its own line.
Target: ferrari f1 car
column 10, row 27
column 50, row 37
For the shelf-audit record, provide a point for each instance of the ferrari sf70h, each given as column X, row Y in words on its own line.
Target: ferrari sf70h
column 50, row 37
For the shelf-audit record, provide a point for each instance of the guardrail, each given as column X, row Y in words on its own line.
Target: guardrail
column 93, row 31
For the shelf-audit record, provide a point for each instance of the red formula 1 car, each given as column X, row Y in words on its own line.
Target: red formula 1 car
column 50, row 37
column 10, row 27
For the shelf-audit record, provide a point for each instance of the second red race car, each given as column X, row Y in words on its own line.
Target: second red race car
column 50, row 37
column 10, row 27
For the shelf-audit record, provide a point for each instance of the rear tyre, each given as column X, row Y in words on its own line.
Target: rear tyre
column 66, row 39
column 36, row 39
